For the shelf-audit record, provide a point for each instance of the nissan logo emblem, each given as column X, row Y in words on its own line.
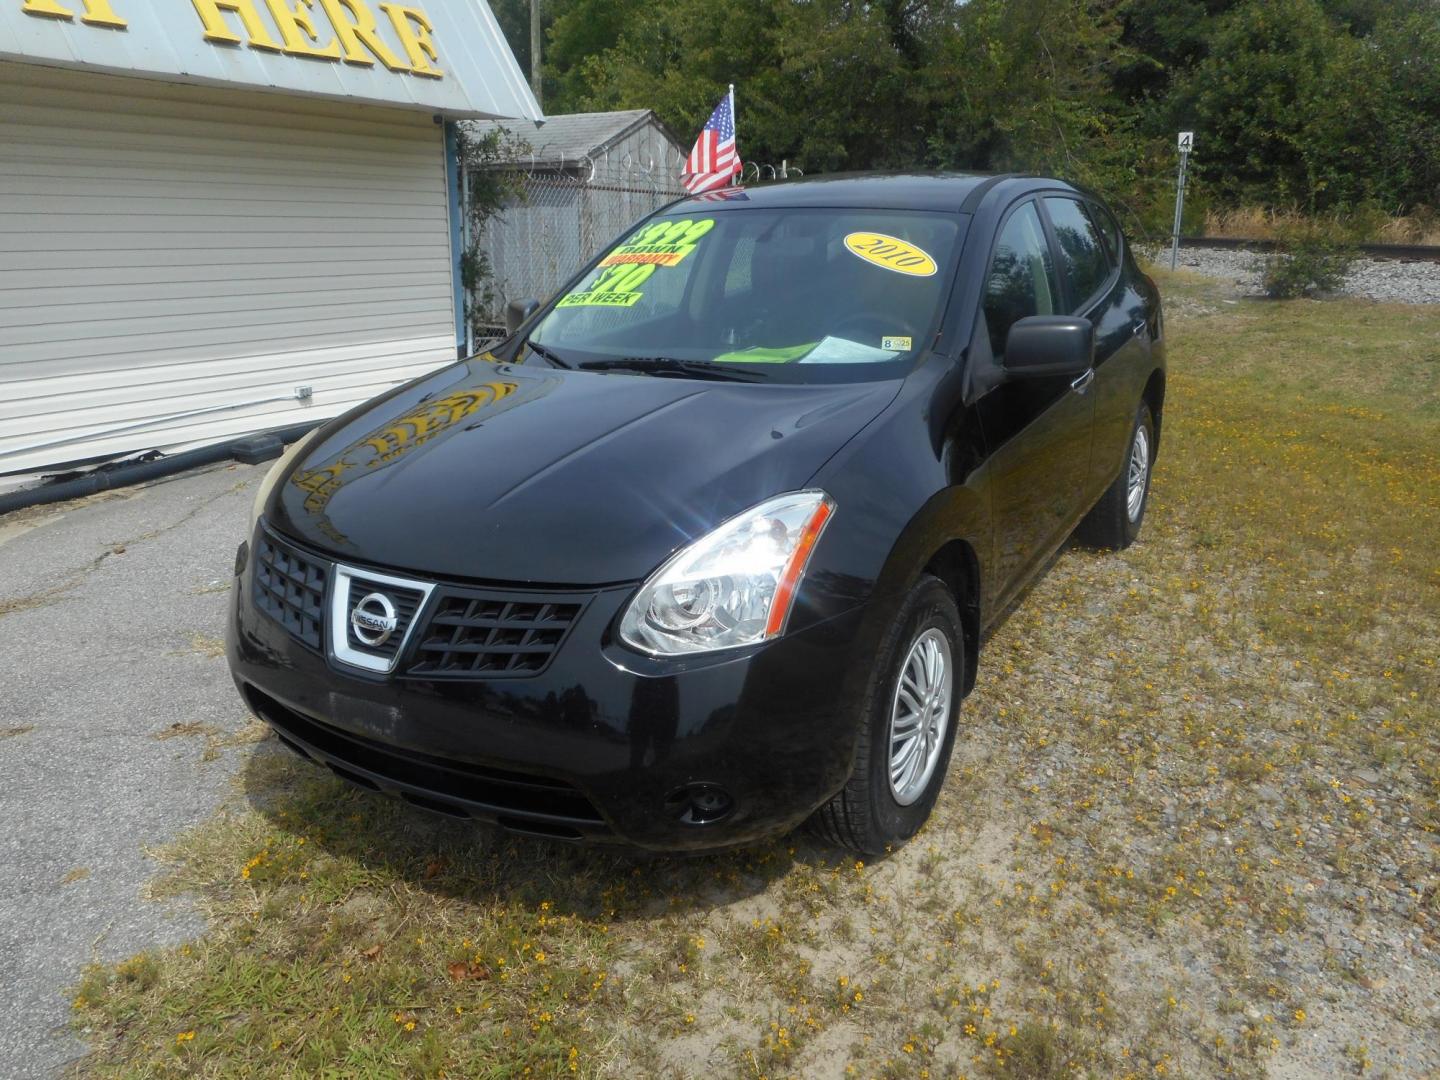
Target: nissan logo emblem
column 373, row 620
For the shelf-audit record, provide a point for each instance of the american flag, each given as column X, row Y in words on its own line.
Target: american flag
column 715, row 160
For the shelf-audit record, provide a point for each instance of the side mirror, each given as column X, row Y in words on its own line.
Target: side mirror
column 517, row 311
column 1050, row 345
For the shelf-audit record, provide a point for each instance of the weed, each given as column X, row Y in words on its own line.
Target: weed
column 1313, row 258
column 208, row 646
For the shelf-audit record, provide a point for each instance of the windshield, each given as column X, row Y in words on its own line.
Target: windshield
column 798, row 294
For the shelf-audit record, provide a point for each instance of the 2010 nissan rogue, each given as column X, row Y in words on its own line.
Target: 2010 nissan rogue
column 708, row 546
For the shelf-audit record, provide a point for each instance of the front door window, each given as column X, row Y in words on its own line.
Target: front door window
column 1022, row 277
column 1082, row 254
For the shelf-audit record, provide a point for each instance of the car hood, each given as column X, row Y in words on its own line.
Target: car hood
column 506, row 473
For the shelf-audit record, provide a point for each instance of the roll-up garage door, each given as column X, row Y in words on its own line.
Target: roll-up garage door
column 178, row 263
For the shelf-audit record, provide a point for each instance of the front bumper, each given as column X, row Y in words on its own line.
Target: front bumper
column 603, row 745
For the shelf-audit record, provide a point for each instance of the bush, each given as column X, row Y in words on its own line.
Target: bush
column 1311, row 258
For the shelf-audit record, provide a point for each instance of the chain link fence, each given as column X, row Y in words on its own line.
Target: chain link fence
column 556, row 222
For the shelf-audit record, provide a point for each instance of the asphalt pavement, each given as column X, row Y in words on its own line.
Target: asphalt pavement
column 112, row 616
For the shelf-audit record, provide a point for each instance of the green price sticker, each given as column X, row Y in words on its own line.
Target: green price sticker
column 665, row 243
column 619, row 286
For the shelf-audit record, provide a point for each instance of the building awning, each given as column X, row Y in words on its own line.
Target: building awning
column 445, row 56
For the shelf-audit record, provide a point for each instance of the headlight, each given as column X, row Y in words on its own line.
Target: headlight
column 733, row 587
column 283, row 462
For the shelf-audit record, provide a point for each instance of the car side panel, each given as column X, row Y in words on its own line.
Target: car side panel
column 1122, row 364
column 1039, row 429
column 910, row 484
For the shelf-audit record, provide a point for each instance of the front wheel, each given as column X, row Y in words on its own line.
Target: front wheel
column 909, row 718
column 1114, row 522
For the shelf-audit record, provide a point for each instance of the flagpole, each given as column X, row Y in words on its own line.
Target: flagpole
column 735, row 120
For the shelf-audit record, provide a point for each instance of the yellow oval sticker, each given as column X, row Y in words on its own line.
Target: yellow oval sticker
column 891, row 253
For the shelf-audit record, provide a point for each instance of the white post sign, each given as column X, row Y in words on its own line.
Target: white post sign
column 1186, row 143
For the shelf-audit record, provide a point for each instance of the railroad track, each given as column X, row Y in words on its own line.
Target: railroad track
column 1398, row 252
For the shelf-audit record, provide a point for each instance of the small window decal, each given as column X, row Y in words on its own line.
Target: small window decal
column 890, row 253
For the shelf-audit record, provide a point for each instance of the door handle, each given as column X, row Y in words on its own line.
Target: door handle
column 1141, row 326
column 1082, row 384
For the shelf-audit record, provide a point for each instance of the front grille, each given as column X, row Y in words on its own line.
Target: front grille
column 290, row 589
column 459, row 632
column 494, row 634
column 522, row 802
column 406, row 603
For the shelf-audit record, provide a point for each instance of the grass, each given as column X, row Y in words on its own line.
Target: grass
column 216, row 739
column 1264, row 223
column 1192, row 811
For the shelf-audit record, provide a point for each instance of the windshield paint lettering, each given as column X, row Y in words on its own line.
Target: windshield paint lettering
column 616, row 287
column 666, row 243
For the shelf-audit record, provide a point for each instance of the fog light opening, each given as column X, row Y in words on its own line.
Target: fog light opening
column 700, row 804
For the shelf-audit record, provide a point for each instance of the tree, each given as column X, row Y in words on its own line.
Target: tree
column 1407, row 46
column 1295, row 110
column 818, row 80
column 1164, row 37
column 1321, row 104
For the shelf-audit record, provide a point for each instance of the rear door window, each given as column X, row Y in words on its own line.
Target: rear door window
column 1083, row 260
column 1022, row 280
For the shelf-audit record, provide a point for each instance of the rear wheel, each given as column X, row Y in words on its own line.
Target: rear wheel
column 1114, row 522
column 909, row 717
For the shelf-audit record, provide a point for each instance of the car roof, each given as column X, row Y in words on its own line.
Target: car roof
column 887, row 191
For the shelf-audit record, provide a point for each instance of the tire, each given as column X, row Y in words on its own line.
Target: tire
column 870, row 815
column 1111, row 524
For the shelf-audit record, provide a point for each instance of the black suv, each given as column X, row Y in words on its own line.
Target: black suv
column 708, row 546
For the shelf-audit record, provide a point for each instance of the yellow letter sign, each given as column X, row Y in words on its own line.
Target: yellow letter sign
column 355, row 36
column 296, row 25
column 355, row 25
column 415, row 39
column 216, row 29
column 97, row 12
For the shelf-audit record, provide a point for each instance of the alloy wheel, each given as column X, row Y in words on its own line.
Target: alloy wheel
column 1139, row 473
column 920, row 715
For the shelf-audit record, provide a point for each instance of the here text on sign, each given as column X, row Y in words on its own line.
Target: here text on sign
column 399, row 37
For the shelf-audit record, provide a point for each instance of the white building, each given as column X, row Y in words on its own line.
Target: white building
column 223, row 216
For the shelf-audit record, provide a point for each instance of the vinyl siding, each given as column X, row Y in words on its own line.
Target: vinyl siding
column 168, row 248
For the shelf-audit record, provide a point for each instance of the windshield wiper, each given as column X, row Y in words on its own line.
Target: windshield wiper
column 548, row 354
column 668, row 365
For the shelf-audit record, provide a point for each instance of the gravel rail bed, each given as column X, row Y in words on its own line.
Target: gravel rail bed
column 1385, row 280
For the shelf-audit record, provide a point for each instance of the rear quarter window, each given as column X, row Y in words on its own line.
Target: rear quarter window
column 1109, row 231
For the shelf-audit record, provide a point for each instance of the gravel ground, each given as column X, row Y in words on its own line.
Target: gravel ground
column 119, row 727
column 1373, row 279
